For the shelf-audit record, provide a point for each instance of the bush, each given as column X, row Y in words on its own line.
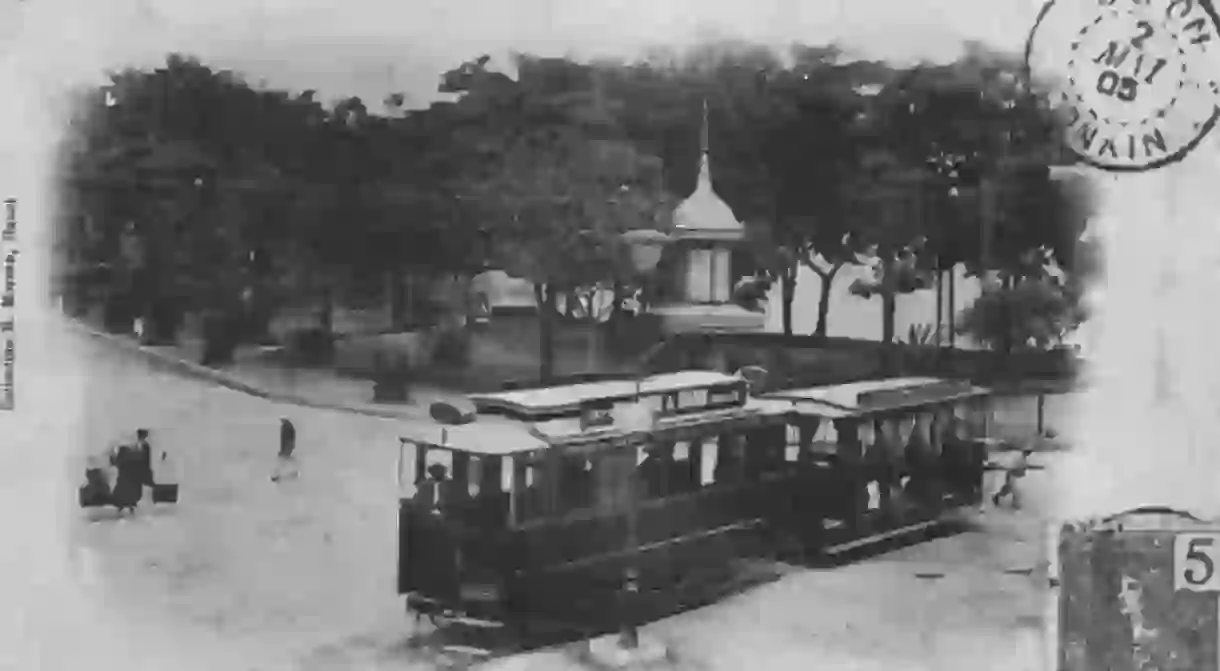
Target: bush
column 312, row 346
column 452, row 347
column 220, row 339
column 117, row 315
column 391, row 379
column 1035, row 313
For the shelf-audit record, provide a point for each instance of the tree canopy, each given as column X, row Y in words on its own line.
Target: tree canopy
column 226, row 185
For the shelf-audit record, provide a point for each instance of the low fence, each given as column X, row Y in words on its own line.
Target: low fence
column 811, row 360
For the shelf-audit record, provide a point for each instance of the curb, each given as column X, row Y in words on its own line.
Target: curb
column 219, row 378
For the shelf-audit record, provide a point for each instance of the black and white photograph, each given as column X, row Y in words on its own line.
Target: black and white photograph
column 654, row 335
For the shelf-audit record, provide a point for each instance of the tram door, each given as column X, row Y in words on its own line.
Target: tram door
column 427, row 552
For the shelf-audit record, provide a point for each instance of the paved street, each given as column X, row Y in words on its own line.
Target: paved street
column 300, row 575
column 276, row 570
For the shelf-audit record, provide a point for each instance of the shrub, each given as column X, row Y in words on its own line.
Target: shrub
column 391, row 379
column 452, row 347
column 312, row 346
column 1035, row 313
column 220, row 339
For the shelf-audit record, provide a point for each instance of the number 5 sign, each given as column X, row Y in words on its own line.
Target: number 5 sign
column 1139, row 591
column 1196, row 562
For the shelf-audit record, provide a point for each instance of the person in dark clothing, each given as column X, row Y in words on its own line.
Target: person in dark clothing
column 652, row 471
column 288, row 437
column 129, row 485
column 144, row 454
column 286, row 467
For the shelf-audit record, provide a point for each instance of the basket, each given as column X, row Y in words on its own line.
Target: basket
column 165, row 493
column 90, row 497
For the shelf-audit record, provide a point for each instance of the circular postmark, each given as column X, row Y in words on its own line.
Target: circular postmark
column 1137, row 88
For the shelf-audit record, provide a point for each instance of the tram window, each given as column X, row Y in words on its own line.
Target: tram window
column 792, row 442
column 575, row 483
column 529, row 491
column 654, row 467
column 764, row 451
column 707, row 466
column 823, row 443
column 730, row 450
column 489, row 489
column 682, row 475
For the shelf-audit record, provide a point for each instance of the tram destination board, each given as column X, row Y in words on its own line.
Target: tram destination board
column 1139, row 591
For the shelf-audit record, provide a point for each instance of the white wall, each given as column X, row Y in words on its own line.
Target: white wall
column 850, row 316
column 854, row 317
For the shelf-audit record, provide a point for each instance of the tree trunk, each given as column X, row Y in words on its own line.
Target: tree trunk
column 824, row 300
column 889, row 304
column 788, row 294
column 952, row 307
column 394, row 294
column 940, row 306
column 889, row 295
column 544, row 296
column 326, row 315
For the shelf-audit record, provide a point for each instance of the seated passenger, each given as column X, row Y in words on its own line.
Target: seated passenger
column 681, row 476
column 923, row 469
column 492, row 501
column 960, row 461
column 728, row 466
column 576, row 483
column 651, row 473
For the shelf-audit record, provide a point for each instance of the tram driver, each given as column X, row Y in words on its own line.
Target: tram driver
column 439, row 492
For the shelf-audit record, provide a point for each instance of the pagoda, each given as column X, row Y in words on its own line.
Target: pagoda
column 705, row 260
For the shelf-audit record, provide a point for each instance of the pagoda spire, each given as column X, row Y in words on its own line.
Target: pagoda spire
column 705, row 167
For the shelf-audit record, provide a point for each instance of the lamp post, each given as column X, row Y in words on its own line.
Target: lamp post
column 646, row 247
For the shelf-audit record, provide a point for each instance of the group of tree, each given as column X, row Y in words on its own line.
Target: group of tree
column 190, row 189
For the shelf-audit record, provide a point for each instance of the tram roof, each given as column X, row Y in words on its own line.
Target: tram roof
column 570, row 397
column 492, row 435
column 871, row 396
column 486, row 436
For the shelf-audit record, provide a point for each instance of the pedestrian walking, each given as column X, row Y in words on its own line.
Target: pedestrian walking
column 1013, row 472
column 286, row 466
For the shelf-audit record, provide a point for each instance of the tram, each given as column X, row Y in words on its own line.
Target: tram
column 883, row 458
column 547, row 502
column 551, row 498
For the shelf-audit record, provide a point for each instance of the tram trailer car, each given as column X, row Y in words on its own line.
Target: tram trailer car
column 883, row 458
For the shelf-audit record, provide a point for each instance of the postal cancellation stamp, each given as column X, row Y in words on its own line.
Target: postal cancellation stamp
column 1135, row 78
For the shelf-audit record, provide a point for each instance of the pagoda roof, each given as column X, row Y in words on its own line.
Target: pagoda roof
column 703, row 215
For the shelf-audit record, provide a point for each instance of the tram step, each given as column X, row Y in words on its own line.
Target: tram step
column 840, row 548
